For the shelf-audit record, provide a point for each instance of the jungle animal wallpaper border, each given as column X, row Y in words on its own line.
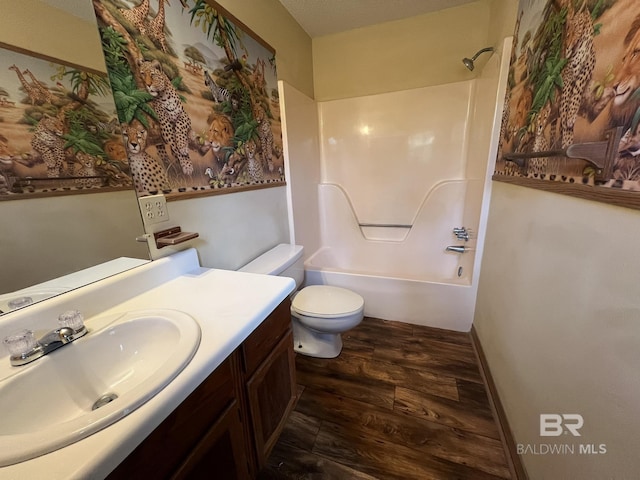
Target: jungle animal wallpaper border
column 58, row 129
column 196, row 96
column 571, row 121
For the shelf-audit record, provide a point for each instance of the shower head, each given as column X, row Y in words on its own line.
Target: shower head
column 468, row 62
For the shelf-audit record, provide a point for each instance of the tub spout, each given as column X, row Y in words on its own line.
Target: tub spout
column 456, row 248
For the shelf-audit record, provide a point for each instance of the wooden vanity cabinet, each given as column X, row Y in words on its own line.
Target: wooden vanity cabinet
column 227, row 427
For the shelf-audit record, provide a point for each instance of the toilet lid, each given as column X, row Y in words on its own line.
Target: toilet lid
column 325, row 301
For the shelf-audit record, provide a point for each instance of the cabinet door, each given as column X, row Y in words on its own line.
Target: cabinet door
column 175, row 438
column 272, row 391
column 220, row 454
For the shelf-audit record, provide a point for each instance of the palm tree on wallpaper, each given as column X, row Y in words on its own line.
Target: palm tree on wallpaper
column 251, row 118
column 223, row 32
column 88, row 127
column 132, row 101
column 83, row 83
column 545, row 76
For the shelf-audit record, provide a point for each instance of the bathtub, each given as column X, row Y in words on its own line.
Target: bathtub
column 443, row 303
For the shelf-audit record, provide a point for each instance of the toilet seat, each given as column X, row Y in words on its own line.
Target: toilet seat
column 324, row 301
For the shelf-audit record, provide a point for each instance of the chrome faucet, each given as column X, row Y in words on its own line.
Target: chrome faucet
column 23, row 347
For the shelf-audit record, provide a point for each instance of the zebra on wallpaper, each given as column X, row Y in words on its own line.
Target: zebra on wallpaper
column 219, row 94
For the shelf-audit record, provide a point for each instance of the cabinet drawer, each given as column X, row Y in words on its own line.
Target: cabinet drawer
column 264, row 338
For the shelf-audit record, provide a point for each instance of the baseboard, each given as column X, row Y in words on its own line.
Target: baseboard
column 516, row 467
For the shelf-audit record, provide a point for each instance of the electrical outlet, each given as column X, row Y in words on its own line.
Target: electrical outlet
column 154, row 209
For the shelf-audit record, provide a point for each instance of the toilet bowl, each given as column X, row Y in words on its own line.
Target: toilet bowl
column 319, row 313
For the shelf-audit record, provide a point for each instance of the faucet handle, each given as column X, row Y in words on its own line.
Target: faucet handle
column 20, row 343
column 19, row 302
column 72, row 319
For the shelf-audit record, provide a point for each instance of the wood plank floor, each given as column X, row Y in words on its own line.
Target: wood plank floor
column 400, row 402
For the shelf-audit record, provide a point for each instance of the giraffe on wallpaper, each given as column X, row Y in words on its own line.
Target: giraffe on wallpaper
column 137, row 16
column 34, row 94
column 44, row 91
column 156, row 27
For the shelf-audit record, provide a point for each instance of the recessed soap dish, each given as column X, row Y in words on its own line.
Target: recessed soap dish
column 172, row 236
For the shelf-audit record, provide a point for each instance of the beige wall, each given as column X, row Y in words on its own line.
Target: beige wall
column 502, row 19
column 37, row 27
column 45, row 238
column 557, row 315
column 416, row 52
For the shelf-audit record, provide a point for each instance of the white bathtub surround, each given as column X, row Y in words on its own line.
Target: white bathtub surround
column 300, row 142
column 227, row 305
column 389, row 151
column 399, row 171
column 418, row 251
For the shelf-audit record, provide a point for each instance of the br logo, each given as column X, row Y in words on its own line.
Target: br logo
column 554, row 425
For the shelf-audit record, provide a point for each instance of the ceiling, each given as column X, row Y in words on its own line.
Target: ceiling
column 320, row 17
column 324, row 17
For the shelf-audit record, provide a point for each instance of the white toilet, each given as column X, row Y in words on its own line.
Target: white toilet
column 320, row 313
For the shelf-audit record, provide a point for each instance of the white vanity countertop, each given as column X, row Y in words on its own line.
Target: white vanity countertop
column 228, row 306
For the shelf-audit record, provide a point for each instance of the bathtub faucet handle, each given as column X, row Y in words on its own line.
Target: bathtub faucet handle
column 456, row 248
column 461, row 233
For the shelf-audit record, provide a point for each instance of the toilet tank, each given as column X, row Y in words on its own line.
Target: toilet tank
column 283, row 260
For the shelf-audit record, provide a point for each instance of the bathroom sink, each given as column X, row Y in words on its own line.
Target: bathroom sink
column 93, row 382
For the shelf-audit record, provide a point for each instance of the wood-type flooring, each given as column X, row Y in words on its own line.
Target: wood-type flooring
column 400, row 402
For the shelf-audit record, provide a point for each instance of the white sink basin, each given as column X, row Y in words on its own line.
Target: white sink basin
column 47, row 404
